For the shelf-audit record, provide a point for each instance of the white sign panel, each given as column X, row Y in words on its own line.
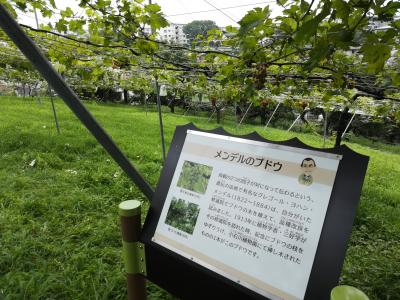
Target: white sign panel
column 250, row 211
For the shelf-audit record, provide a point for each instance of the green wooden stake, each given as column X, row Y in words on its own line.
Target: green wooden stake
column 346, row 292
column 133, row 250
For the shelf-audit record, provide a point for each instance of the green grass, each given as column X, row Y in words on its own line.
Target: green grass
column 59, row 234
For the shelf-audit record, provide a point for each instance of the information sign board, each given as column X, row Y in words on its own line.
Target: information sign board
column 250, row 211
column 241, row 208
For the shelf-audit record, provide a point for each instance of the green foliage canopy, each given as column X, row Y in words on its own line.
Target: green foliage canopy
column 324, row 49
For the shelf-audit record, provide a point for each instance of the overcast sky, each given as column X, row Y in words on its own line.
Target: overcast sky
column 229, row 15
column 183, row 11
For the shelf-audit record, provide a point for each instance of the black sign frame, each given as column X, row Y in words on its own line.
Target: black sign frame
column 189, row 280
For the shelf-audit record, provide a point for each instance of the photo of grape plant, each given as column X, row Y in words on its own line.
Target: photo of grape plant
column 194, row 177
column 182, row 215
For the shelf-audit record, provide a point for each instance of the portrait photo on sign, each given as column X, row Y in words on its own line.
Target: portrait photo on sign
column 308, row 165
column 182, row 215
column 194, row 177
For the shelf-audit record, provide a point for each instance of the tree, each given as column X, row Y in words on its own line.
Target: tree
column 308, row 50
column 325, row 50
column 198, row 27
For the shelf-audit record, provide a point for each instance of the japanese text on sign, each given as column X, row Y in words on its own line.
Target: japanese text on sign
column 253, row 214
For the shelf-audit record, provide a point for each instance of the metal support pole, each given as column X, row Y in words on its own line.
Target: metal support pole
column 170, row 101
column 187, row 110
column 294, row 122
column 273, row 113
column 132, row 249
column 244, row 116
column 145, row 104
column 212, row 114
column 348, row 125
column 54, row 110
column 160, row 118
column 39, row 99
column 36, row 18
column 44, row 67
column 236, row 116
column 325, row 127
column 195, row 109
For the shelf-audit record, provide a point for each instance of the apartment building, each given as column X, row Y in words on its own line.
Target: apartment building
column 172, row 34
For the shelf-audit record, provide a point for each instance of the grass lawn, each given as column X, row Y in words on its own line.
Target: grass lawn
column 59, row 230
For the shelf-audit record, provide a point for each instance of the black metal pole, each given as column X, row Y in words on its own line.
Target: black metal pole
column 160, row 118
column 54, row 109
column 40, row 62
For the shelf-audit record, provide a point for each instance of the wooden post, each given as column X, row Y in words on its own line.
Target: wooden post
column 133, row 250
